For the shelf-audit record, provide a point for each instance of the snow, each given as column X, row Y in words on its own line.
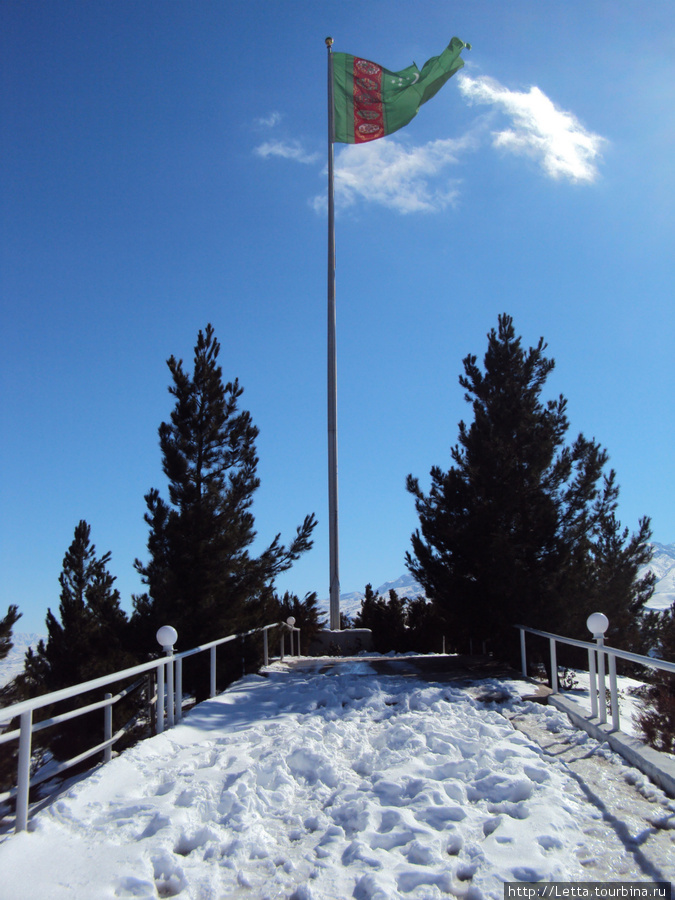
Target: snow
column 12, row 664
column 308, row 786
column 663, row 567
column 629, row 694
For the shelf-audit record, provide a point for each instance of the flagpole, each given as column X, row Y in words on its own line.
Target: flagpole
column 334, row 618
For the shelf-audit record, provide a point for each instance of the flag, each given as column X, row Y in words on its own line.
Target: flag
column 370, row 101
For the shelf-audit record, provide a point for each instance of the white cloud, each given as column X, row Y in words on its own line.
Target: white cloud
column 555, row 138
column 392, row 172
column 269, row 121
column 396, row 176
column 287, row 150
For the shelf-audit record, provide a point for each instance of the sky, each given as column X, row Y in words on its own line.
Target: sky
column 164, row 167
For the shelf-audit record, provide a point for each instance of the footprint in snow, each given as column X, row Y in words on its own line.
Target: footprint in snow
column 188, row 843
column 165, row 788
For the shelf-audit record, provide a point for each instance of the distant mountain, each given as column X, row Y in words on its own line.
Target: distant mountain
column 663, row 566
column 12, row 664
column 350, row 604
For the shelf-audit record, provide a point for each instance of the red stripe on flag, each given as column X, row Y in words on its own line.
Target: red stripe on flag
column 368, row 106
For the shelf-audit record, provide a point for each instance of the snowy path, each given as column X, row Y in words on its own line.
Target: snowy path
column 308, row 786
column 634, row 840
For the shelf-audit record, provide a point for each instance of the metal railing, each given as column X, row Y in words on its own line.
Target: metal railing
column 167, row 702
column 597, row 652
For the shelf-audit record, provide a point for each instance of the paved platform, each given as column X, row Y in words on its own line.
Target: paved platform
column 435, row 668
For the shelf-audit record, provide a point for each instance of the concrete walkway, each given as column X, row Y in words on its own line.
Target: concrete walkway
column 436, row 668
column 633, row 838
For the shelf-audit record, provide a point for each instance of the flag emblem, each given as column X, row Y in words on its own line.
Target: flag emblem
column 369, row 101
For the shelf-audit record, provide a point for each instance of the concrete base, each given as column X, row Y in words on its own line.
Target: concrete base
column 658, row 767
column 341, row 643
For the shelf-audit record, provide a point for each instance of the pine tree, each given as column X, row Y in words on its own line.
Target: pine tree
column 425, row 628
column 616, row 557
column 90, row 637
column 657, row 718
column 521, row 528
column 6, row 626
column 9, row 692
column 305, row 612
column 201, row 577
column 8, row 695
column 386, row 619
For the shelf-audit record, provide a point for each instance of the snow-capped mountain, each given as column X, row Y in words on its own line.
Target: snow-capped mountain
column 12, row 664
column 350, row 604
column 663, row 566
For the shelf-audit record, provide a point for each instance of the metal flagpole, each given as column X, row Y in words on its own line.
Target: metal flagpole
column 334, row 618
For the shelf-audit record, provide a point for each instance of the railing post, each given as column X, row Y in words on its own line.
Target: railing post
column 266, row 652
column 523, row 656
column 107, row 729
column 602, row 699
column 554, row 667
column 179, row 689
column 281, row 648
column 593, row 683
column 166, row 638
column 298, row 642
column 170, row 717
column 614, row 694
column 23, row 775
column 150, row 688
column 213, row 672
column 598, row 623
column 159, row 710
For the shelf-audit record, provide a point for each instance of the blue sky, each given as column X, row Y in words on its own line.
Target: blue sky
column 164, row 166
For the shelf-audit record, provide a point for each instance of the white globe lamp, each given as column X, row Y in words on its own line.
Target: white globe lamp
column 166, row 637
column 597, row 623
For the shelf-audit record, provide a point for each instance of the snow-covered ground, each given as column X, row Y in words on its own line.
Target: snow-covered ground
column 305, row 786
column 629, row 692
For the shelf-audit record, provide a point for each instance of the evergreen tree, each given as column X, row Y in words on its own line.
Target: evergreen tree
column 201, row 577
column 345, row 621
column 521, row 528
column 89, row 639
column 385, row 618
column 616, row 558
column 400, row 624
column 305, row 612
column 8, row 695
column 9, row 692
column 6, row 626
column 425, row 627
column 657, row 718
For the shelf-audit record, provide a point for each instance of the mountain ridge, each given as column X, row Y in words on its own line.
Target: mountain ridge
column 662, row 565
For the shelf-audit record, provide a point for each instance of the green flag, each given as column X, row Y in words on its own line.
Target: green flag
column 370, row 101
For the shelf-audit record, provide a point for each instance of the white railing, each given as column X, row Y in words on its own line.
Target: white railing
column 167, row 700
column 596, row 665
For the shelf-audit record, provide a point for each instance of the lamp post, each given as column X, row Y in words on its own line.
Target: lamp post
column 597, row 623
column 290, row 621
column 166, row 638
